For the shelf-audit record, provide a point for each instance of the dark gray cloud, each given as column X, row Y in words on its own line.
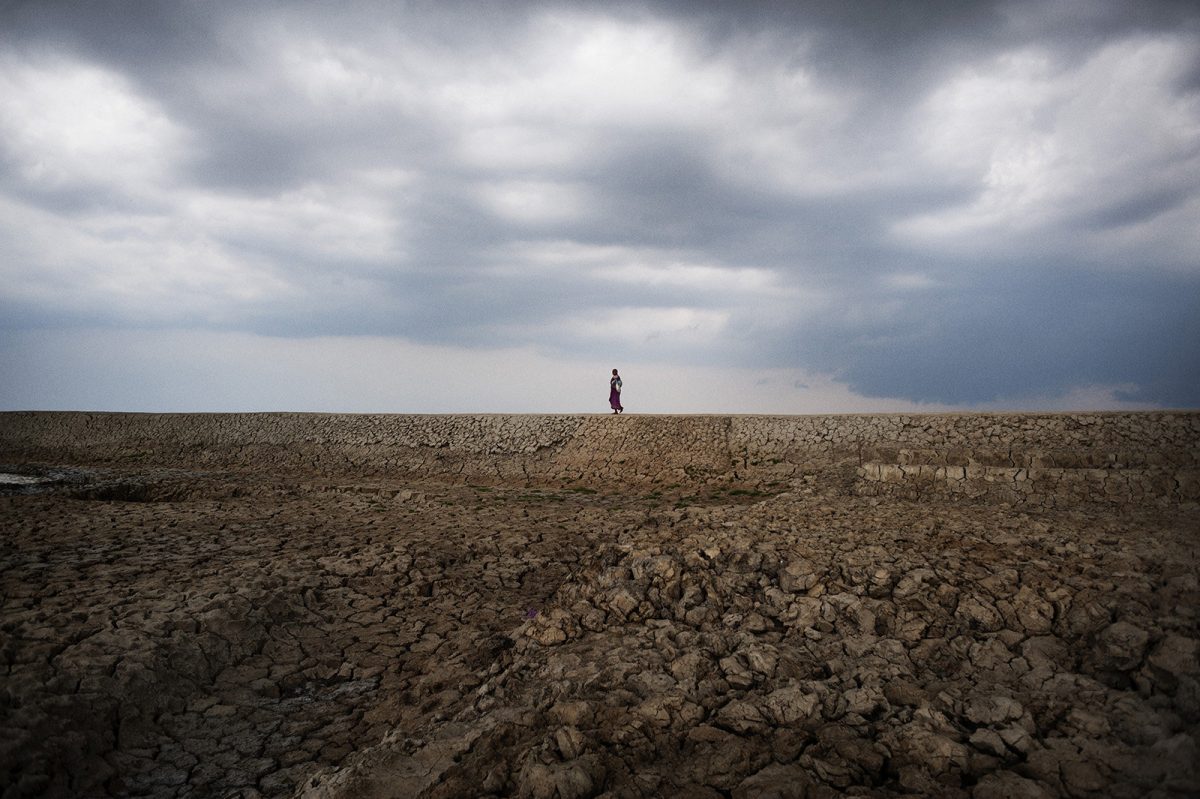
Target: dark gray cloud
column 952, row 203
column 1043, row 333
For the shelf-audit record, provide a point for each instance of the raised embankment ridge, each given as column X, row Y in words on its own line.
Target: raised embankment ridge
column 1048, row 459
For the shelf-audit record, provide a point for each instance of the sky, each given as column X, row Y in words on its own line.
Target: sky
column 746, row 207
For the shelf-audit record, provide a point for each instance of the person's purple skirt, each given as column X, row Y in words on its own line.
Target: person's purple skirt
column 614, row 399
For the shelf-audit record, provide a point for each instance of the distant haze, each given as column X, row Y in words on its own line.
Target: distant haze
column 746, row 207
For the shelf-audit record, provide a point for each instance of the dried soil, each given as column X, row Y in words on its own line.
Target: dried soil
column 191, row 635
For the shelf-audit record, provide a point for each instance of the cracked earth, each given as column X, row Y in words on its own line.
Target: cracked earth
column 176, row 634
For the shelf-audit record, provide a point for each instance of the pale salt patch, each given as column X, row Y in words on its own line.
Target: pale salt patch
column 20, row 479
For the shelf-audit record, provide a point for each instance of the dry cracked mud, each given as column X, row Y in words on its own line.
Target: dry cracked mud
column 177, row 634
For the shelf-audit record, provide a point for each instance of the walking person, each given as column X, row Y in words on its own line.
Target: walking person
column 614, row 392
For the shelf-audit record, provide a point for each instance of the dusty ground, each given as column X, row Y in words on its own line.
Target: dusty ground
column 179, row 634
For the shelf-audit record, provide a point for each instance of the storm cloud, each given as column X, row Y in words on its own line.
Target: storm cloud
column 749, row 207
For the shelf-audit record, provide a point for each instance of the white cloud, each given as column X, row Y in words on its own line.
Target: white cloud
column 340, row 76
column 689, row 328
column 353, row 220
column 784, row 131
column 124, row 265
column 640, row 266
column 200, row 254
column 1049, row 146
column 522, row 147
column 67, row 124
column 697, row 277
column 675, row 302
column 535, row 201
column 540, row 97
column 554, row 100
column 593, row 71
column 753, row 109
column 564, row 90
column 178, row 251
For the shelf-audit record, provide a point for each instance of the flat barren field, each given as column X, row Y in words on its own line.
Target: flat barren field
column 176, row 633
